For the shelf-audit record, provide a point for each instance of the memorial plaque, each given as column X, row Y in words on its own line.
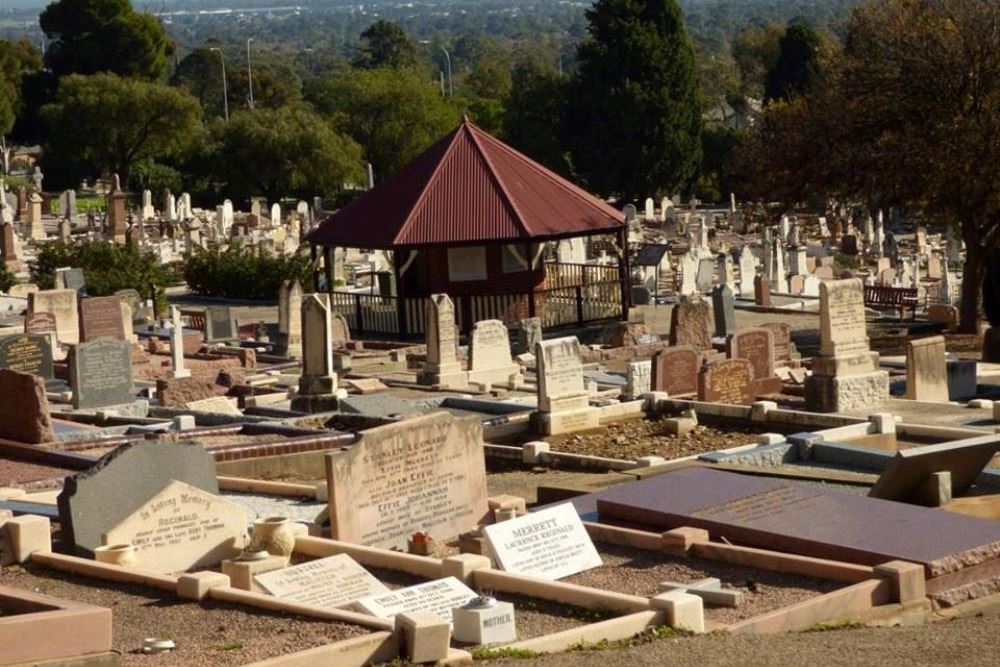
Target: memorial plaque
column 219, row 324
column 332, row 582
column 726, row 381
column 550, row 544
column 99, row 498
column 101, row 373
column 439, row 597
column 842, row 318
column 101, row 317
column 675, row 370
column 39, row 323
column 801, row 518
column 757, row 347
column 426, row 474
column 181, row 527
column 27, row 353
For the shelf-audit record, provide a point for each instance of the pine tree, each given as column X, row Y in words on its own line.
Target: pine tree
column 634, row 119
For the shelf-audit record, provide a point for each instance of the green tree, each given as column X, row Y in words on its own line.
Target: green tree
column 634, row 115
column 394, row 114
column 798, row 67
column 486, row 89
column 534, row 115
column 275, row 83
column 104, row 124
column 283, row 152
column 889, row 128
column 18, row 60
column 242, row 272
column 90, row 36
column 385, row 44
column 755, row 50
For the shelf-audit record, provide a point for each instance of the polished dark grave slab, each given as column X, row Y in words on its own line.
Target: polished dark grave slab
column 799, row 518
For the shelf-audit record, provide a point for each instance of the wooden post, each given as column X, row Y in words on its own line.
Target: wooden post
column 401, row 327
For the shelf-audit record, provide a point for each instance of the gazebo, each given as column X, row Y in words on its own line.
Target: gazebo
column 472, row 217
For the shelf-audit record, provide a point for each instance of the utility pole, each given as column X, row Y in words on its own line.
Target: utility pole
column 249, row 72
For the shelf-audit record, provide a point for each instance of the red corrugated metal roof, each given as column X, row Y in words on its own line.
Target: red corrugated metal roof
column 467, row 188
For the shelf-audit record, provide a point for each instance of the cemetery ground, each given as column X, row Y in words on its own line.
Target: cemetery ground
column 736, row 445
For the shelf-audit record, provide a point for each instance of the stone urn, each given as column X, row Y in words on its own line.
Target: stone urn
column 274, row 535
column 117, row 554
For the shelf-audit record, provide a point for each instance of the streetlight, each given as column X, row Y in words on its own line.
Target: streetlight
column 225, row 92
column 451, row 88
column 249, row 72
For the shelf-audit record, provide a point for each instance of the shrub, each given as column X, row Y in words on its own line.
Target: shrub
column 107, row 268
column 7, row 279
column 239, row 272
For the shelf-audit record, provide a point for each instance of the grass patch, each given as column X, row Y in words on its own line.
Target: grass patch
column 838, row 625
column 648, row 635
column 502, row 652
column 228, row 646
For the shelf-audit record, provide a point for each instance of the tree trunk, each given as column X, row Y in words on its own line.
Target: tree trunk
column 972, row 279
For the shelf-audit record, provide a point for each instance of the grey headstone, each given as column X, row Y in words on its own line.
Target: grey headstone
column 74, row 279
column 27, row 353
column 96, row 500
column 724, row 310
column 219, row 324
column 528, row 334
column 101, row 373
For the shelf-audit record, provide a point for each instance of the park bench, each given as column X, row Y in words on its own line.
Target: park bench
column 881, row 297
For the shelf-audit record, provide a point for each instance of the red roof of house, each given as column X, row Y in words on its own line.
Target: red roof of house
column 467, row 188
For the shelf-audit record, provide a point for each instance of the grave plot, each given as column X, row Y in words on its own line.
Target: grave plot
column 209, row 634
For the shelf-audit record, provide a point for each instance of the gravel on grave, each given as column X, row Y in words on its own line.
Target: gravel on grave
column 639, row 572
column 649, row 437
column 260, row 506
column 209, row 634
column 20, row 474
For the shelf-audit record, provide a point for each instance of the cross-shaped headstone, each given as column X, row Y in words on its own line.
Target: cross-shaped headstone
column 710, row 590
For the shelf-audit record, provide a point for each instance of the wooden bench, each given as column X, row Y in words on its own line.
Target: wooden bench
column 195, row 319
column 898, row 298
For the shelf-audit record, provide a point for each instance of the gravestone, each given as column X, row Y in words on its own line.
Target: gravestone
column 98, row 499
column 748, row 272
column 489, row 355
column 177, row 370
column 926, row 369
column 73, row 279
column 331, row 582
column 782, row 335
column 439, row 597
column 180, row 527
column 442, row 367
column 724, row 310
column 340, row 331
column 27, row 353
column 690, row 323
column 220, row 325
column 762, row 291
column 39, row 323
column 318, row 382
column 706, row 274
column 845, row 372
column 24, row 408
column 563, row 400
column 550, row 544
column 290, row 319
column 528, row 334
column 101, row 317
column 675, row 370
column 62, row 305
column 426, row 474
column 101, row 373
column 638, row 376
column 910, row 470
column 756, row 346
column 8, row 247
column 726, row 381
column 802, row 519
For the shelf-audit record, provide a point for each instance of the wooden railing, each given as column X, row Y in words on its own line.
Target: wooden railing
column 404, row 317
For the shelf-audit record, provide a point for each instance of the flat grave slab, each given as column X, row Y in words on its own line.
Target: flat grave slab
column 439, row 597
column 326, row 582
column 803, row 519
